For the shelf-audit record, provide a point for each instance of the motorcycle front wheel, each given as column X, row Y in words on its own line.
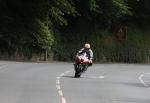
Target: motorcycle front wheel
column 78, row 71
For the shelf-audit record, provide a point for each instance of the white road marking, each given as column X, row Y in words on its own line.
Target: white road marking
column 58, row 84
column 63, row 100
column 142, row 81
column 93, row 77
column 62, row 74
column 67, row 72
column 57, row 81
column 60, row 92
column 101, row 77
column 58, row 87
column 58, row 78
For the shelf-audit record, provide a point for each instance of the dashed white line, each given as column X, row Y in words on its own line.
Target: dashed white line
column 63, row 100
column 60, row 92
column 58, row 86
column 57, row 81
column 66, row 72
column 62, row 74
column 142, row 81
column 101, row 77
column 58, row 78
column 94, row 77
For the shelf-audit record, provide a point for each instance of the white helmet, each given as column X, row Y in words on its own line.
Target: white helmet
column 87, row 46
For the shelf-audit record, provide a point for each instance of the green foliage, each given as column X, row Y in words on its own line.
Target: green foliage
column 141, row 12
column 28, row 26
column 102, row 13
column 43, row 36
column 31, row 26
column 60, row 8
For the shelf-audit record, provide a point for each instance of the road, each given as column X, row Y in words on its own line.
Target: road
column 54, row 83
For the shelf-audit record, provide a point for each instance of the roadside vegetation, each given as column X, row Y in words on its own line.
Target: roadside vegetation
column 28, row 28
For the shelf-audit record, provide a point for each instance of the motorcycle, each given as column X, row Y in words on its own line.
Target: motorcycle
column 82, row 65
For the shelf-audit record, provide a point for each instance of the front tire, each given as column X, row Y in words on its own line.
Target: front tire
column 77, row 75
column 78, row 71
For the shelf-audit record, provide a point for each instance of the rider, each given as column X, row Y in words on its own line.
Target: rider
column 86, row 49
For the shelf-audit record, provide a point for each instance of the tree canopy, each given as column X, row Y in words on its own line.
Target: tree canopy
column 32, row 25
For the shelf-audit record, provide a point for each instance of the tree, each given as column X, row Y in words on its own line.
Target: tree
column 141, row 12
column 29, row 24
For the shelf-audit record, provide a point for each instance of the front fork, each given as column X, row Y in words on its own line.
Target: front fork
column 84, row 67
column 80, row 68
column 76, row 67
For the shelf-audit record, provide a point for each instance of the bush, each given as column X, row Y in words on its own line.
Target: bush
column 135, row 49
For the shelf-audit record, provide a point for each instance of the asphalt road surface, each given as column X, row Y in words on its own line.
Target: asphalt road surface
column 54, row 83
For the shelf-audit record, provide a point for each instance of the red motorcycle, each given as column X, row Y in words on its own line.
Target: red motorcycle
column 81, row 65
